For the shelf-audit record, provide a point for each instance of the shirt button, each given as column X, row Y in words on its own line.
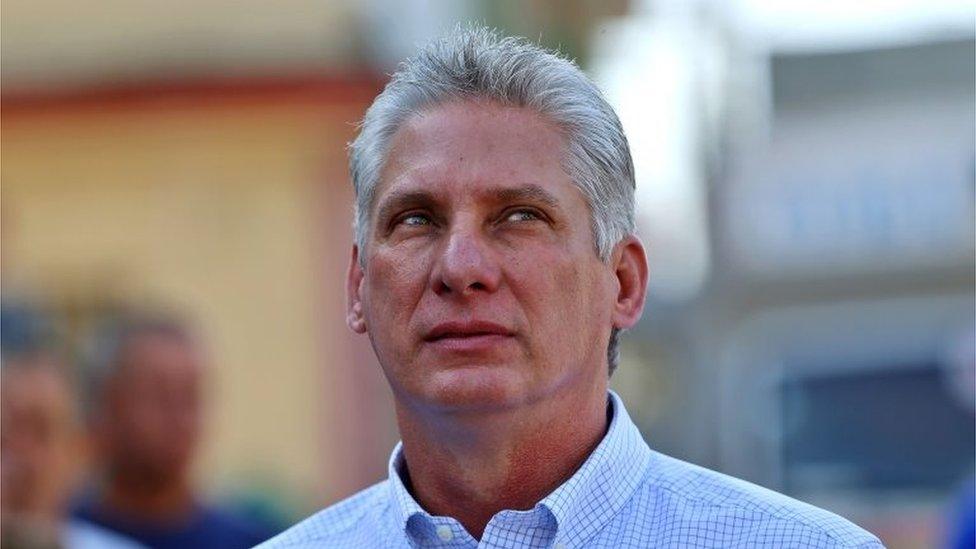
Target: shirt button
column 444, row 532
column 559, row 545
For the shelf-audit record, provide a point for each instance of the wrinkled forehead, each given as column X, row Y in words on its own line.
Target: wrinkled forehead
column 471, row 147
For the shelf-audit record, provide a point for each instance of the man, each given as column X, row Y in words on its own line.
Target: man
column 41, row 449
column 148, row 422
column 494, row 266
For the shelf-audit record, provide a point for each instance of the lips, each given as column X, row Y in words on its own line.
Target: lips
column 466, row 331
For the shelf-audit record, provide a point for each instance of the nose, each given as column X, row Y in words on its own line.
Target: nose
column 466, row 265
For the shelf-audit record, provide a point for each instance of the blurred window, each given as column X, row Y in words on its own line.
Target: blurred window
column 877, row 429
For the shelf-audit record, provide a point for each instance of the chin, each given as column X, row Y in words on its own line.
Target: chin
column 475, row 388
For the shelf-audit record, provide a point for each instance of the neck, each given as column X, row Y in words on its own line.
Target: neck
column 505, row 460
column 162, row 502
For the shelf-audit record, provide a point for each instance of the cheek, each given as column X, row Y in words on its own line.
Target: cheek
column 392, row 289
column 578, row 295
column 566, row 297
column 393, row 286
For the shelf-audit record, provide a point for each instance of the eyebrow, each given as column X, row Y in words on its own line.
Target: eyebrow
column 531, row 192
column 399, row 199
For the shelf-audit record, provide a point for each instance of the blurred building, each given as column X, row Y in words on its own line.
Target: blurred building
column 845, row 244
column 818, row 353
column 194, row 161
column 228, row 202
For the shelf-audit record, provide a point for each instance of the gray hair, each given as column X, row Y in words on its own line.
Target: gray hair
column 474, row 62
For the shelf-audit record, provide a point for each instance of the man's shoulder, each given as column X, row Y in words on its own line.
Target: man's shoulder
column 344, row 524
column 739, row 511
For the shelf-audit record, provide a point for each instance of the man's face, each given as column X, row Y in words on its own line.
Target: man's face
column 40, row 441
column 482, row 289
column 153, row 418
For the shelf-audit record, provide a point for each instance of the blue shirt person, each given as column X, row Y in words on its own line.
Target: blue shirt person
column 494, row 267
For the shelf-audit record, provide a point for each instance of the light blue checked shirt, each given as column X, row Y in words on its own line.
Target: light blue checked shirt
column 624, row 495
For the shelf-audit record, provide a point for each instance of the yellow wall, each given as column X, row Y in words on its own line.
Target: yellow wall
column 234, row 212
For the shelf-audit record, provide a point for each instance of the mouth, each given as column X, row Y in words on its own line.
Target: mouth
column 468, row 338
column 463, row 331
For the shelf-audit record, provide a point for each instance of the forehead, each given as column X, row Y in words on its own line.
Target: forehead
column 471, row 147
column 153, row 354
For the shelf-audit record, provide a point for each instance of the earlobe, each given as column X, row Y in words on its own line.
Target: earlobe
column 355, row 319
column 630, row 264
column 354, row 304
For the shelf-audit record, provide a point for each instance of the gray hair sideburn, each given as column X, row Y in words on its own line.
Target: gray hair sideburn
column 475, row 62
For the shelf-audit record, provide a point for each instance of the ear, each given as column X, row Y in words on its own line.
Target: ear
column 630, row 268
column 354, row 302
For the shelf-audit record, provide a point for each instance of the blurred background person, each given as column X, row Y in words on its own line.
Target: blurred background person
column 147, row 422
column 42, row 448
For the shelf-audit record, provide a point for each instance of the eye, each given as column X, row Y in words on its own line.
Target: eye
column 521, row 215
column 414, row 220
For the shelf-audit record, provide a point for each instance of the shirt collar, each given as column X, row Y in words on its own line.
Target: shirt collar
column 404, row 505
column 584, row 503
